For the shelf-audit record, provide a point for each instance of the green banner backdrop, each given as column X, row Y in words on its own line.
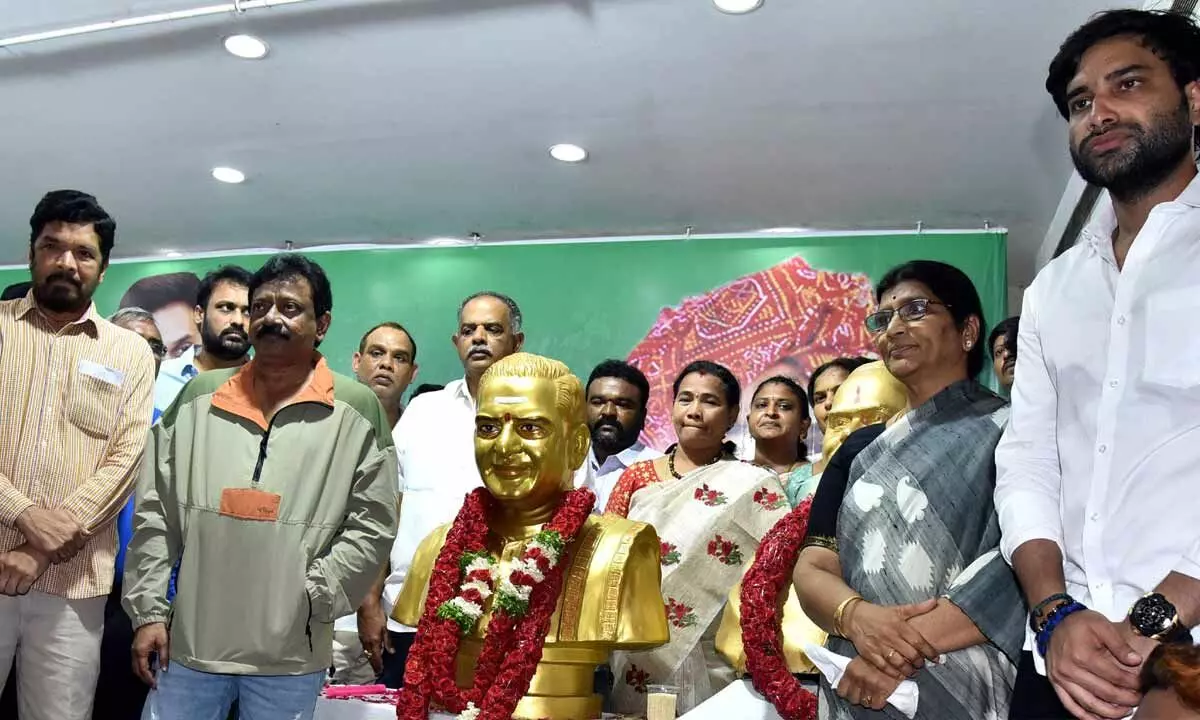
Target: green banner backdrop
column 759, row 305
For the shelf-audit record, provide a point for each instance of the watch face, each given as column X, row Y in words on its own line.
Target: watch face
column 1152, row 615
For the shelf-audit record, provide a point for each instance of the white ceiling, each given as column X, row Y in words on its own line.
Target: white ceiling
column 403, row 120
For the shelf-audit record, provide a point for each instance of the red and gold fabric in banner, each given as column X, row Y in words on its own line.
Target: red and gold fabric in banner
column 785, row 320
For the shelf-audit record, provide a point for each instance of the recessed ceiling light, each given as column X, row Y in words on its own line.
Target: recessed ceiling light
column 737, row 7
column 786, row 230
column 568, row 153
column 443, row 241
column 247, row 47
column 228, row 175
column 173, row 253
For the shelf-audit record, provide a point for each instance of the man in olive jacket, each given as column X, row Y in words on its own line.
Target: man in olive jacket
column 275, row 485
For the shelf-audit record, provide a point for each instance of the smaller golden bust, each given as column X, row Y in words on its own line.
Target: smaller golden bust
column 530, row 437
column 869, row 395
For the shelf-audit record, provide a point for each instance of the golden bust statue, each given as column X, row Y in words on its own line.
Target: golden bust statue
column 869, row 395
column 531, row 436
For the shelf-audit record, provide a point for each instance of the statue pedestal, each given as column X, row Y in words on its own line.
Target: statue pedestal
column 739, row 700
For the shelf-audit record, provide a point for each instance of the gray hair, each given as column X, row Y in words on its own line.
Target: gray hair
column 130, row 315
column 514, row 312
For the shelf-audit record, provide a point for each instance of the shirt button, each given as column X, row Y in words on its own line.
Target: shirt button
column 1095, row 517
column 1121, row 320
column 1103, row 449
column 1113, row 383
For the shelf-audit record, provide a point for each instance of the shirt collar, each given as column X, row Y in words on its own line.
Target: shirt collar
column 1098, row 234
column 236, row 396
column 87, row 322
column 459, row 389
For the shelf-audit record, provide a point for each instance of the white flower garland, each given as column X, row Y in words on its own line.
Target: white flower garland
column 471, row 713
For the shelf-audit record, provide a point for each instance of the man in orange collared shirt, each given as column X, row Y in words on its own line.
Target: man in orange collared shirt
column 75, row 404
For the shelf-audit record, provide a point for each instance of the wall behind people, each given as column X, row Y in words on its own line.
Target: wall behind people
column 758, row 305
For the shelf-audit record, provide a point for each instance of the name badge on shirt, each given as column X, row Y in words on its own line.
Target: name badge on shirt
column 112, row 376
column 250, row 504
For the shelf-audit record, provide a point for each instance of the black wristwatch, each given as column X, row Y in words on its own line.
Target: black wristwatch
column 1153, row 616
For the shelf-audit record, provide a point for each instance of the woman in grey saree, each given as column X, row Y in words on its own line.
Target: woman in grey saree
column 901, row 563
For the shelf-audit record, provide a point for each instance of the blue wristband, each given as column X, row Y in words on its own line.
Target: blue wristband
column 1060, row 613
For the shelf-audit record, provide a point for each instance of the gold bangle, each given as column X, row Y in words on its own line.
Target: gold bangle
column 841, row 611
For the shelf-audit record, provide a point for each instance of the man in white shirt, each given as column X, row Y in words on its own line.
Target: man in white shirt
column 617, row 393
column 386, row 362
column 221, row 313
column 1096, row 474
column 435, row 446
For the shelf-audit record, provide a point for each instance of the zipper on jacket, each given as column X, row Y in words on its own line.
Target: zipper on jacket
column 308, row 622
column 262, row 452
column 262, row 445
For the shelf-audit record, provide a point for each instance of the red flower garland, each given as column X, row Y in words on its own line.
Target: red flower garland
column 769, row 576
column 513, row 646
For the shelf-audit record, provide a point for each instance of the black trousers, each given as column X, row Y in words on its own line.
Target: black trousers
column 1033, row 695
column 119, row 693
column 393, row 664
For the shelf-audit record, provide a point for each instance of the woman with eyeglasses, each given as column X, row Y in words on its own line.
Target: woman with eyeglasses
column 901, row 563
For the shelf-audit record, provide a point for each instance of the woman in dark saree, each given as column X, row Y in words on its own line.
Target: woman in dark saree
column 901, row 563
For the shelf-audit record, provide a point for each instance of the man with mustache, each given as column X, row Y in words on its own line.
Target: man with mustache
column 1002, row 344
column 386, row 362
column 435, row 447
column 222, row 313
column 75, row 405
column 275, row 484
column 617, row 393
column 1096, row 473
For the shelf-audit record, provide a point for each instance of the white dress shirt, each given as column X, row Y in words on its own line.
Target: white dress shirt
column 172, row 376
column 435, row 447
column 602, row 478
column 1102, row 451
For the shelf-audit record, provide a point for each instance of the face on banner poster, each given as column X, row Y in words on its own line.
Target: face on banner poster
column 759, row 305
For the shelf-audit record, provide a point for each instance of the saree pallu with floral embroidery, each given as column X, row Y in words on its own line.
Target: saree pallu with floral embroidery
column 709, row 523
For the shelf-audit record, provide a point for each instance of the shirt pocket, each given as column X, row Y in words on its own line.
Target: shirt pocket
column 1172, row 347
column 92, row 404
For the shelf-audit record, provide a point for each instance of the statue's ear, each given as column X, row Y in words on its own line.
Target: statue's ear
column 578, row 443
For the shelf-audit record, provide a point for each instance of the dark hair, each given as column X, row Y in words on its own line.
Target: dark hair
column 158, row 291
column 733, row 391
column 515, row 319
column 16, row 290
column 231, row 274
column 1006, row 328
column 1172, row 37
column 73, row 206
column 1174, row 666
column 953, row 288
column 425, row 388
column 622, row 371
column 794, row 386
column 362, row 344
column 295, row 265
column 849, row 364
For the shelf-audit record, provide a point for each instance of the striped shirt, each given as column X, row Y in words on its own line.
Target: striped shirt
column 75, row 409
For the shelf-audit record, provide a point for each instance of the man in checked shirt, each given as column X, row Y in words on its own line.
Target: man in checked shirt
column 75, row 405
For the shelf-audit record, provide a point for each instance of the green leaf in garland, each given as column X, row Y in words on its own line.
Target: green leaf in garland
column 511, row 604
column 551, row 539
column 448, row 611
column 469, row 557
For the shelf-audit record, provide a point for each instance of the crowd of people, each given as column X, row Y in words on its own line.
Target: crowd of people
column 228, row 523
